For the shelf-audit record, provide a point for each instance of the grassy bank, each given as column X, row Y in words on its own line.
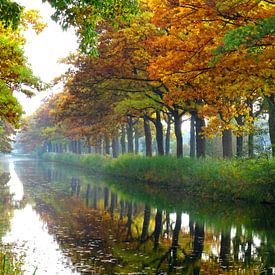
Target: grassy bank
column 252, row 180
column 9, row 265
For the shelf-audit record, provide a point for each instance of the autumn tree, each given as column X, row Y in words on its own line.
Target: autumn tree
column 85, row 15
column 15, row 73
column 187, row 64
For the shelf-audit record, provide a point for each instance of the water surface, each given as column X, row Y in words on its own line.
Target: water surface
column 63, row 221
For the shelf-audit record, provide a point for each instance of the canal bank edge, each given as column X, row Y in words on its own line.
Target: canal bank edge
column 246, row 179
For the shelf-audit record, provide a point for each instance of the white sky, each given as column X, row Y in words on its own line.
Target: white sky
column 44, row 50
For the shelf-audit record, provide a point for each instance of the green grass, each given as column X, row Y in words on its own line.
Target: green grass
column 9, row 265
column 250, row 179
column 93, row 162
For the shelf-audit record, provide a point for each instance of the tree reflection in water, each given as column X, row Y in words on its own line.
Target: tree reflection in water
column 125, row 230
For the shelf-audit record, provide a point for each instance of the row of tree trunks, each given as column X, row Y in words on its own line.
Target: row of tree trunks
column 227, row 145
column 76, row 146
column 55, row 147
column 197, row 141
column 240, row 140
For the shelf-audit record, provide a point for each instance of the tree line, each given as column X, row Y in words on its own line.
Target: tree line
column 146, row 69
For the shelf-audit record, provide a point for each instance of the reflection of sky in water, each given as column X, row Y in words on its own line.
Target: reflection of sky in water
column 15, row 185
column 30, row 237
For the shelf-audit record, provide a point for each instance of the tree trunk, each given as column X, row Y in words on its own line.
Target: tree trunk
column 117, row 141
column 99, row 146
column 136, row 140
column 50, row 147
column 73, row 146
column 248, row 251
column 251, row 135
column 61, row 148
column 271, row 121
column 95, row 197
column 227, row 143
column 159, row 134
column 78, row 145
column 107, row 144
column 130, row 135
column 123, row 140
column 106, row 197
column 239, row 139
column 225, row 250
column 121, row 209
column 192, row 137
column 146, row 222
column 167, row 138
column 78, row 188
column 178, row 133
column 200, row 140
column 88, row 192
column 158, row 228
column 129, row 235
column 113, row 203
column 237, row 243
column 167, row 223
column 251, row 145
column 198, row 245
column 198, row 242
column 115, row 145
column 175, row 242
column 239, row 145
column 148, row 137
column 115, row 153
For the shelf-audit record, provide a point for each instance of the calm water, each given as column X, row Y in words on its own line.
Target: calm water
column 63, row 221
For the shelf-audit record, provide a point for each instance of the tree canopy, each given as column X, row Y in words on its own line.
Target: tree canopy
column 85, row 15
column 209, row 60
column 15, row 71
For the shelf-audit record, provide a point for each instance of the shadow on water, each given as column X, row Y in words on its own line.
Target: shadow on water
column 100, row 226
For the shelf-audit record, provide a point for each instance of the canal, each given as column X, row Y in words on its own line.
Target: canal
column 62, row 220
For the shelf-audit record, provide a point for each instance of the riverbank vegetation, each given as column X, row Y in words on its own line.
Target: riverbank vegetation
column 9, row 264
column 215, row 179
